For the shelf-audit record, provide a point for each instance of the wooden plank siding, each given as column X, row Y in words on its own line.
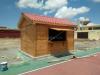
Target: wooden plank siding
column 28, row 39
column 35, row 41
column 42, row 40
column 70, row 40
column 58, row 47
column 44, row 46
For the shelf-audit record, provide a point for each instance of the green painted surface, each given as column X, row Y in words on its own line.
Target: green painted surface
column 32, row 64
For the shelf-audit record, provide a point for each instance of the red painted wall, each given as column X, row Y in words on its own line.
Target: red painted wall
column 9, row 33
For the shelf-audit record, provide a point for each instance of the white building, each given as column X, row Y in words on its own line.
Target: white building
column 90, row 31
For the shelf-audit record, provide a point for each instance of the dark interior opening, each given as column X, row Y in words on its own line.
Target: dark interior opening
column 55, row 35
column 90, row 28
column 62, row 54
column 83, row 35
column 96, row 28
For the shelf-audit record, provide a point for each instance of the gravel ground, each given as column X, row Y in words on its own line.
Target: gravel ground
column 9, row 48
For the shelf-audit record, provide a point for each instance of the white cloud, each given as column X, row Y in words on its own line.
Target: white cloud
column 28, row 3
column 84, row 19
column 45, row 13
column 48, row 12
column 96, row 0
column 43, row 4
column 50, row 6
column 69, row 12
column 54, row 4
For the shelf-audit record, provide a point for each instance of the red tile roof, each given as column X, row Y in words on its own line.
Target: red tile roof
column 46, row 19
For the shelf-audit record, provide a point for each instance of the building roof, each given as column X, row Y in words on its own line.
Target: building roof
column 8, row 29
column 90, row 26
column 3, row 27
column 45, row 19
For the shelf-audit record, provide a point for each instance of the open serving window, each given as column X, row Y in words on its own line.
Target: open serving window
column 56, row 35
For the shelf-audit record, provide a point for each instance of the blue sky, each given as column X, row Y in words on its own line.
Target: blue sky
column 10, row 10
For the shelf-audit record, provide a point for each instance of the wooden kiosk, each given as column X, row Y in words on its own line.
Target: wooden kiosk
column 42, row 35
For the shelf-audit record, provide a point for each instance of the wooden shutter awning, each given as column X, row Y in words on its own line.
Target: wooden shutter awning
column 62, row 29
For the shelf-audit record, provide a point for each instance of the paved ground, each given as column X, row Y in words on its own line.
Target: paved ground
column 9, row 52
column 83, row 66
column 9, row 48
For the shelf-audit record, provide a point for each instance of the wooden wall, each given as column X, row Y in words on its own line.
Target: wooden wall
column 70, row 40
column 34, row 41
column 62, row 47
column 44, row 46
column 42, row 40
column 58, row 47
column 28, row 38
